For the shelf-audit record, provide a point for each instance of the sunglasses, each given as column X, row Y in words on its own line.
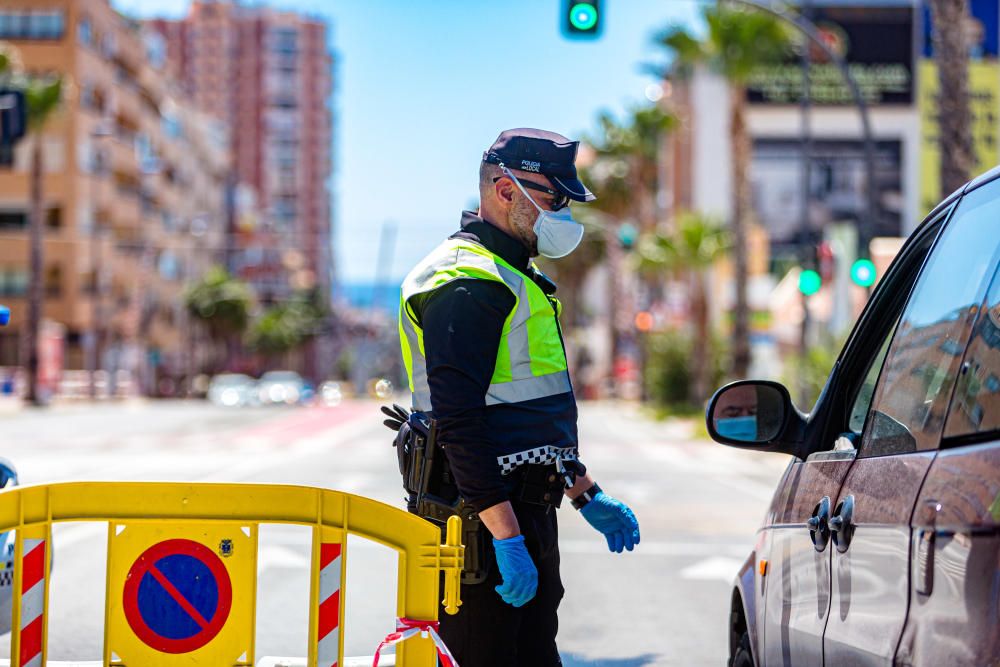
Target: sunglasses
column 559, row 200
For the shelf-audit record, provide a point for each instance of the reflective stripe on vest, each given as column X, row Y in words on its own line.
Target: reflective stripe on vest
column 530, row 361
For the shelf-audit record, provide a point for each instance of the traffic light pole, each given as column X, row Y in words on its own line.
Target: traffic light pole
column 806, row 106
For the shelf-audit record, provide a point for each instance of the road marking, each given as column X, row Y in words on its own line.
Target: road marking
column 278, row 557
column 715, row 568
column 599, row 546
column 248, row 467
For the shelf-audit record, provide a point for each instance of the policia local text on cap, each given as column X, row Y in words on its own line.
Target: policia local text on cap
column 486, row 362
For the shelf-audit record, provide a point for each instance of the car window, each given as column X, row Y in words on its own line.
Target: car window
column 975, row 409
column 914, row 388
column 863, row 399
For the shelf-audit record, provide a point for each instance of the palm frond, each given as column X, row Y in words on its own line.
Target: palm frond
column 43, row 97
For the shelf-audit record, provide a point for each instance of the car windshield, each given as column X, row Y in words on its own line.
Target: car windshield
column 229, row 380
column 281, row 376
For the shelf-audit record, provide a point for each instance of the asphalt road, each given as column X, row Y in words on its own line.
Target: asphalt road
column 664, row 604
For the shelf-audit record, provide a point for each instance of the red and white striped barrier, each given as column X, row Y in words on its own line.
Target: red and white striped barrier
column 407, row 628
column 328, row 616
column 32, row 602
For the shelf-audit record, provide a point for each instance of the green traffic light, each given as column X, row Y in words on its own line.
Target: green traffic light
column 809, row 282
column 627, row 234
column 863, row 273
column 583, row 16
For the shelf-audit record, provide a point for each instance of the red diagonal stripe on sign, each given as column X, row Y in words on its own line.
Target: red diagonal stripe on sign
column 328, row 552
column 34, row 567
column 178, row 597
column 329, row 614
column 31, row 640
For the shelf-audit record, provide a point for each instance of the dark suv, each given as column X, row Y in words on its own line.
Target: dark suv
column 882, row 542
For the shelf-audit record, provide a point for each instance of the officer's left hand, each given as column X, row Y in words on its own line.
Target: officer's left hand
column 614, row 520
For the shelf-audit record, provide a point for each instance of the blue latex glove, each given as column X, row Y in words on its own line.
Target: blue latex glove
column 520, row 577
column 614, row 519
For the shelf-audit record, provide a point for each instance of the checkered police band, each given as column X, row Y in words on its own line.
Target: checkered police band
column 540, row 455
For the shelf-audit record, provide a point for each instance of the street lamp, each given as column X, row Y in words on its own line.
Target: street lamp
column 101, row 130
column 808, row 28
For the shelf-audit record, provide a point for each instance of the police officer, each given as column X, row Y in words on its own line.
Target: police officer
column 483, row 349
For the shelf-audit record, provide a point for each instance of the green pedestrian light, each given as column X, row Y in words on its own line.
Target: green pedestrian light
column 863, row 273
column 809, row 282
column 627, row 235
column 582, row 18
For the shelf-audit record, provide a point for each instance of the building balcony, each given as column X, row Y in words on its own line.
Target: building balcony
column 129, row 52
column 120, row 152
column 126, row 211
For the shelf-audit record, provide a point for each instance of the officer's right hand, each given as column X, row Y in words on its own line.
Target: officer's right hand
column 520, row 577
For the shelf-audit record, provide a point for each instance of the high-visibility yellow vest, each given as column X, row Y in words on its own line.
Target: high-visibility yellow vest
column 531, row 361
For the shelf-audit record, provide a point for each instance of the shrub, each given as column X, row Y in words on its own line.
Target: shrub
column 668, row 374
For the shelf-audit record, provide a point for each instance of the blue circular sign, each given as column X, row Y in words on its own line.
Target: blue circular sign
column 177, row 596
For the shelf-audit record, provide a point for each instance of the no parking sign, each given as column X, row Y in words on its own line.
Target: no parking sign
column 181, row 594
column 177, row 596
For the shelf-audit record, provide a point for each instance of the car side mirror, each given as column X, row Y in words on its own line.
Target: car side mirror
column 749, row 413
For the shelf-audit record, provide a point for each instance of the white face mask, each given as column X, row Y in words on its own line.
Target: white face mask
column 558, row 233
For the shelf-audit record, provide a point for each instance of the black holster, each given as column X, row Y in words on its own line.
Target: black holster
column 433, row 494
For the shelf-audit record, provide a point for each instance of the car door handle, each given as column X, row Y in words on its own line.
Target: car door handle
column 842, row 524
column 819, row 524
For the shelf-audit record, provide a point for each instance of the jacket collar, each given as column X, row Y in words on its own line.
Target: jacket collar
column 495, row 240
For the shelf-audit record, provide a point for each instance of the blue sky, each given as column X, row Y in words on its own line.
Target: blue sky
column 423, row 87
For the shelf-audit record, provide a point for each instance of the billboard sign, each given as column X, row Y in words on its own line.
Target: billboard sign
column 876, row 42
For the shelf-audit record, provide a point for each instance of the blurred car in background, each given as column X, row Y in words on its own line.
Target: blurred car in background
column 380, row 387
column 283, row 388
column 233, row 390
column 330, row 394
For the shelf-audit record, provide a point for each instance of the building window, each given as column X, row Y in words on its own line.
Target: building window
column 13, row 219
column 285, row 102
column 284, row 209
column 84, row 32
column 53, row 281
column 109, row 46
column 24, row 24
column 13, row 282
column 285, row 41
column 53, row 218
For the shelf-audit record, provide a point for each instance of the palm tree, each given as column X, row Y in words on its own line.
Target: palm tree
column 692, row 248
column 223, row 304
column 626, row 164
column 738, row 41
column 43, row 98
column 625, row 175
column 287, row 326
column 951, row 50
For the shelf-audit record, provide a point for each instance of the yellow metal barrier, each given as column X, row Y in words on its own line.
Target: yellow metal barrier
column 182, row 535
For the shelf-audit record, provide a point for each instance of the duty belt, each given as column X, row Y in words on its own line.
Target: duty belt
column 541, row 475
column 544, row 455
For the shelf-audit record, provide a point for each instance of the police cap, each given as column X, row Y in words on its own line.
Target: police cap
column 541, row 152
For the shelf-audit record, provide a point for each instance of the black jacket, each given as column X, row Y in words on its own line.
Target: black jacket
column 462, row 323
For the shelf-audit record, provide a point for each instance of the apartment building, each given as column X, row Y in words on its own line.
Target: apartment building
column 268, row 73
column 134, row 188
